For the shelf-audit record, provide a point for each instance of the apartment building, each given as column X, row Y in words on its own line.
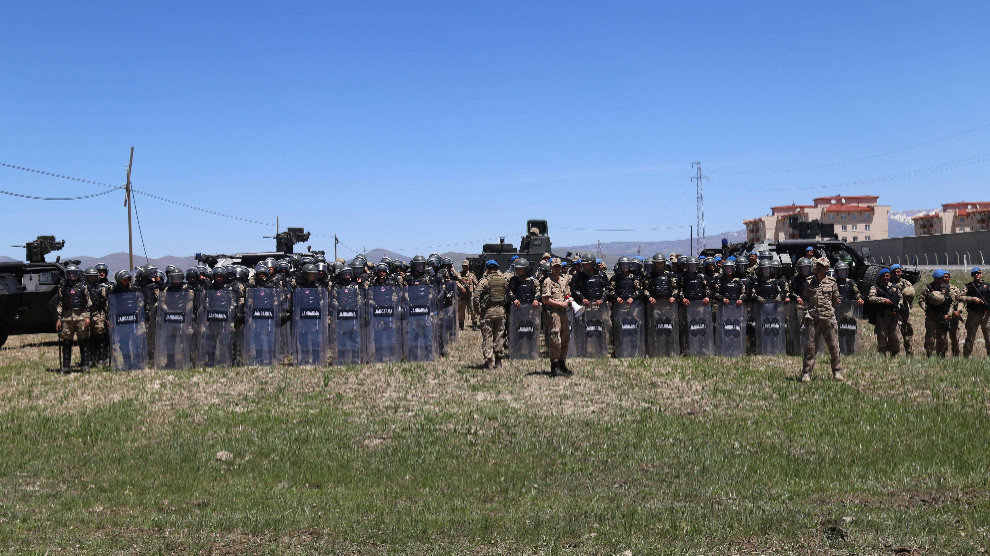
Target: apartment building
column 954, row 218
column 855, row 217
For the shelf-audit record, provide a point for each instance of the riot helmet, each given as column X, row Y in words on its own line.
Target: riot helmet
column 381, row 269
column 322, row 269
column 91, row 275
column 624, row 265
column 219, row 273
column 243, row 274
column 175, row 277
column 357, row 265
column 103, row 269
column 72, row 274
column 775, row 267
column 318, row 258
column 260, row 273
column 309, row 272
column 446, row 262
column 691, row 264
column 728, row 268
column 170, row 269
column 192, row 275
column 842, row 269
column 764, row 268
column 122, row 277
column 418, row 264
column 805, row 266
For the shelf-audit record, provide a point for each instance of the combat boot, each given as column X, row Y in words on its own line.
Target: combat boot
column 563, row 367
column 837, row 375
column 66, row 357
column 84, row 357
column 805, row 377
column 555, row 368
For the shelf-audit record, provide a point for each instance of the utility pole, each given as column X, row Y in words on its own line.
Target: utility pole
column 127, row 202
column 691, row 235
column 699, row 178
column 335, row 242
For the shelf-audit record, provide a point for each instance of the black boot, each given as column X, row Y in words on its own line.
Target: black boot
column 563, row 367
column 84, row 356
column 555, row 368
column 66, row 357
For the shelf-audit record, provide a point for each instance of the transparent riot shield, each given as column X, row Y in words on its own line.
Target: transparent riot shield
column 448, row 312
column 591, row 331
column 524, row 331
column 770, row 328
column 262, row 319
column 383, row 342
column 128, row 335
column 849, row 316
column 420, row 342
column 699, row 329
column 630, row 330
column 794, row 315
column 348, row 314
column 216, row 329
column 173, row 330
column 730, row 330
column 310, row 325
column 664, row 325
column 287, row 355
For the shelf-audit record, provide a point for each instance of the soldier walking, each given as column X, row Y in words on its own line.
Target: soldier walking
column 898, row 280
column 490, row 297
column 821, row 295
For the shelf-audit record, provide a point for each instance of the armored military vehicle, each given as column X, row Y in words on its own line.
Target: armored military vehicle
column 27, row 288
column 285, row 243
column 532, row 246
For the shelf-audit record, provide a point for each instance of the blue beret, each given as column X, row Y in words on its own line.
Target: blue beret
column 718, row 258
column 938, row 273
column 491, row 262
column 895, row 266
column 732, row 258
column 975, row 270
column 883, row 271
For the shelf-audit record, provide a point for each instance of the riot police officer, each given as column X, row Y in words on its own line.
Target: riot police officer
column 72, row 306
column 523, row 288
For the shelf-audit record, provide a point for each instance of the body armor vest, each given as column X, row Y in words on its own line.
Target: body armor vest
column 98, row 297
column 846, row 289
column 695, row 288
column 661, row 285
column 497, row 286
column 889, row 292
column 72, row 297
column 732, row 289
column 767, row 289
column 524, row 289
column 981, row 290
column 625, row 287
column 594, row 287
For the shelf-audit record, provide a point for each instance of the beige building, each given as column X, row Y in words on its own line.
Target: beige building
column 856, row 218
column 954, row 218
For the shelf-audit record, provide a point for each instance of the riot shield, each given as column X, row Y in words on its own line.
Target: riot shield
column 173, row 330
column 310, row 327
column 128, row 337
column 448, row 312
column 262, row 317
column 524, row 332
column 287, row 355
column 384, row 325
column 630, row 330
column 216, row 329
column 730, row 330
column 699, row 329
column 348, row 314
column 664, row 326
column 420, row 327
column 849, row 315
column 770, row 328
column 591, row 332
column 794, row 314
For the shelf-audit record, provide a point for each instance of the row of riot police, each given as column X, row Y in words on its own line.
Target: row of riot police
column 226, row 317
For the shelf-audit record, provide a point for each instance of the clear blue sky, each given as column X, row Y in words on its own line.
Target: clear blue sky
column 414, row 126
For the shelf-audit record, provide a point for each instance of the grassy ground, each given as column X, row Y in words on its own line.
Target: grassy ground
column 644, row 456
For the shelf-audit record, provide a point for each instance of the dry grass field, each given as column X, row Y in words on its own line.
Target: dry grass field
column 641, row 456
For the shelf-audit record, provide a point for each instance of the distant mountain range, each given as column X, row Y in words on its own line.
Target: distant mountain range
column 899, row 225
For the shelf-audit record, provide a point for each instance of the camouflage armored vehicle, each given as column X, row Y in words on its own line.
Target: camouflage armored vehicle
column 284, row 245
column 532, row 246
column 27, row 288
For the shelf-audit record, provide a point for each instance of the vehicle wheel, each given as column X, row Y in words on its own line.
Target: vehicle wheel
column 869, row 279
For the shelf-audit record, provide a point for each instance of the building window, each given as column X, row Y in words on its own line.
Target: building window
column 866, row 227
column 855, row 238
column 855, row 226
column 843, row 227
column 831, row 217
column 854, row 215
column 867, row 238
column 842, row 217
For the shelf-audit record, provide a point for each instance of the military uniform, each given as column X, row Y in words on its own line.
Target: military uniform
column 490, row 297
column 555, row 289
column 99, row 331
column 821, row 295
column 72, row 306
column 977, row 299
column 938, row 317
column 886, row 316
column 465, row 291
column 907, row 294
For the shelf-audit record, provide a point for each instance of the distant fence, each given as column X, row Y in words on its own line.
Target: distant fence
column 956, row 250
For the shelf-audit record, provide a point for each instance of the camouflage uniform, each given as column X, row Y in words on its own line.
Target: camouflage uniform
column 938, row 318
column 467, row 284
column 977, row 314
column 821, row 295
column 490, row 297
column 559, row 329
column 886, row 316
column 907, row 293
column 72, row 309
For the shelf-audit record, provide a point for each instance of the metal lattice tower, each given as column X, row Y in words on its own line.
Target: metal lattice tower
column 700, row 229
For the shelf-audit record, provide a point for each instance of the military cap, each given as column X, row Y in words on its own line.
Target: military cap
column 822, row 261
column 976, row 270
column 938, row 273
column 555, row 261
column 894, row 267
column 883, row 271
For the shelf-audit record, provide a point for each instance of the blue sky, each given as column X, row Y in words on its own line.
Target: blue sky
column 442, row 125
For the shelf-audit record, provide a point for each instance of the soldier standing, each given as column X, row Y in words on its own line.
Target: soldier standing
column 888, row 302
column 977, row 300
column 898, row 280
column 940, row 302
column 821, row 295
column 555, row 298
column 465, row 291
column 72, row 305
column 99, row 338
column 490, row 296
column 694, row 289
column 729, row 288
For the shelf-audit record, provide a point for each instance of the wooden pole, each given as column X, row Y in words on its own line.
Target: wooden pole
column 130, row 233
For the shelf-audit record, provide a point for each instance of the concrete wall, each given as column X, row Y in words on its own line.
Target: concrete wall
column 966, row 249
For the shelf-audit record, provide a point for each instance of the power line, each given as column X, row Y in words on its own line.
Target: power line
column 56, row 175
column 200, row 209
column 140, row 232
column 77, row 198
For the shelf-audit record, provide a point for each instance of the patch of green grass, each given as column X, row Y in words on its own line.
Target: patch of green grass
column 648, row 455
